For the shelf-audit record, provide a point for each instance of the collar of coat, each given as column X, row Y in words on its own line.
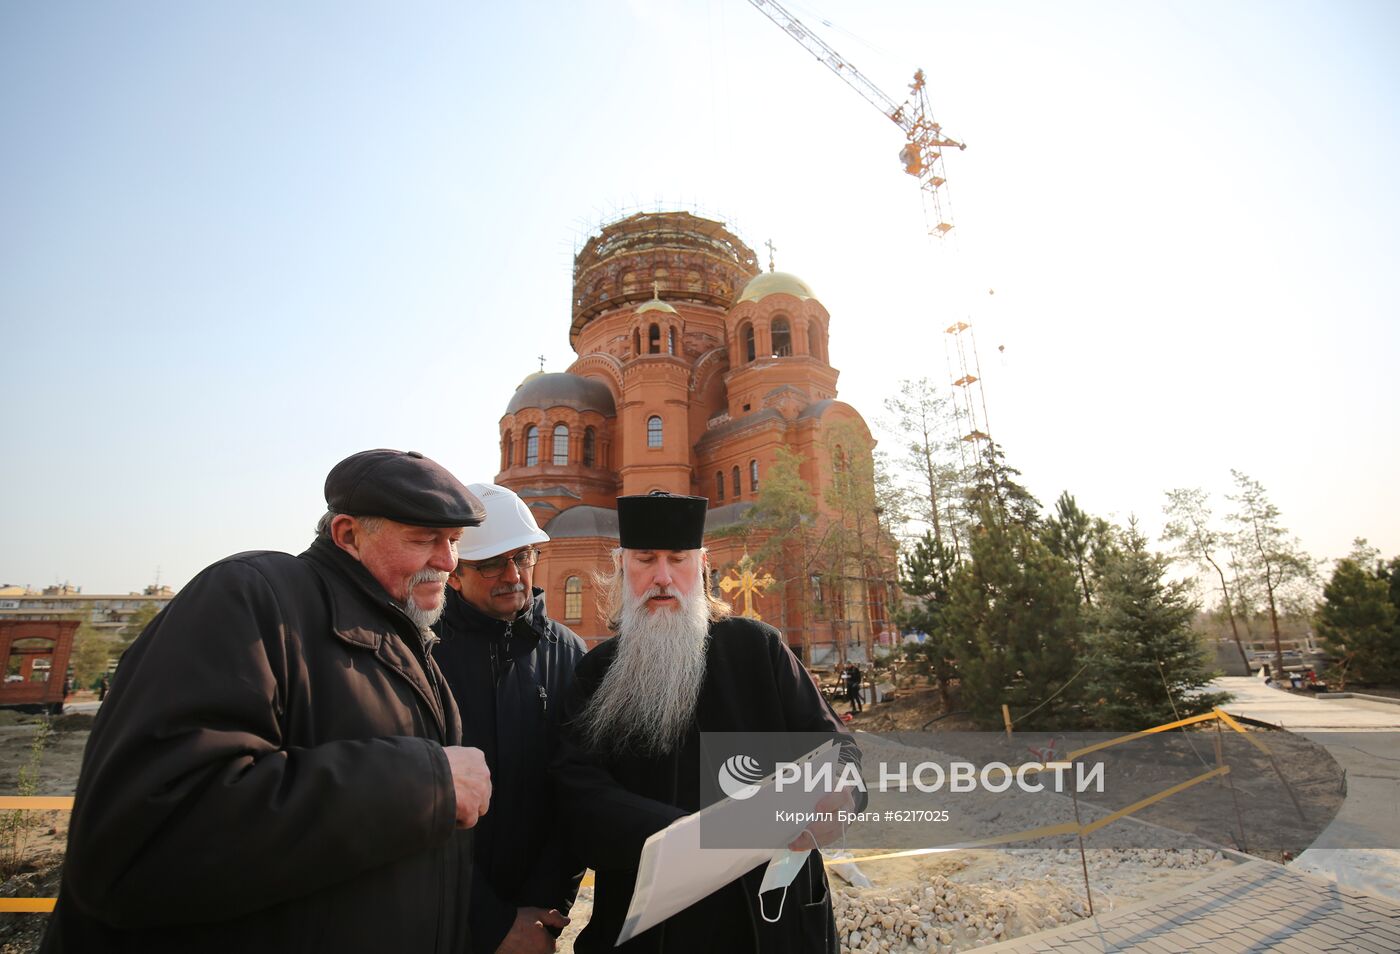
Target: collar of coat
column 532, row 616
column 348, row 618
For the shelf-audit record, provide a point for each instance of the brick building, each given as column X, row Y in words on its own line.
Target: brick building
column 694, row 367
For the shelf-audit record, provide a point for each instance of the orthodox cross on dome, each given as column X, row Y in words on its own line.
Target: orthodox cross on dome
column 771, row 249
column 748, row 583
column 541, row 360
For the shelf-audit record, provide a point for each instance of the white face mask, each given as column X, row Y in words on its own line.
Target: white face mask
column 780, row 874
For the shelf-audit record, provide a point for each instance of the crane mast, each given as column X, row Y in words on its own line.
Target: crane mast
column 922, row 155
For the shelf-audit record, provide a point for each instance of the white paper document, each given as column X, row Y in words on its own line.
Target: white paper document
column 675, row 871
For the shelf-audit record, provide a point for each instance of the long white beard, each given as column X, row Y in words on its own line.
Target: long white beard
column 425, row 618
column 647, row 699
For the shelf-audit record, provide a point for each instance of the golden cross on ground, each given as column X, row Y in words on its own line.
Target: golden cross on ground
column 748, row 583
column 771, row 249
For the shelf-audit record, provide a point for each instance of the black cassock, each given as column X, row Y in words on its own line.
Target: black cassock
column 753, row 683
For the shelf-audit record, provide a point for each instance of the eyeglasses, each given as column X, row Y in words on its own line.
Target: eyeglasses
column 490, row 569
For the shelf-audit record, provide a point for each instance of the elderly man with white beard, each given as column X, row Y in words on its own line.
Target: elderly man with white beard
column 629, row 763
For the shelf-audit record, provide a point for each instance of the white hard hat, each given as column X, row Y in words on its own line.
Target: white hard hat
column 509, row 525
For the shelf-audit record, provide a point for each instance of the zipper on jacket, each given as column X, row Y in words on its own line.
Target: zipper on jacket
column 544, row 698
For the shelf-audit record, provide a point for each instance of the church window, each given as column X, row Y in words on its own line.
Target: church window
column 532, row 446
column 735, row 482
column 670, row 341
column 573, row 598
column 653, row 431
column 719, row 486
column 505, row 451
column 636, row 341
column 654, row 339
column 747, row 337
column 753, row 476
column 561, row 444
column 629, row 283
column 590, row 447
column 782, row 338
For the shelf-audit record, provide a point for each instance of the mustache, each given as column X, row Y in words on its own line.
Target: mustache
column 427, row 576
column 657, row 591
column 505, row 589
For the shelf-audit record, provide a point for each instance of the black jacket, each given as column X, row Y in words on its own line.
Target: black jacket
column 510, row 680
column 267, row 774
column 753, row 683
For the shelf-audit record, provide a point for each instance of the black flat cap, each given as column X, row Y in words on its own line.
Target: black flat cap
column 661, row 521
column 403, row 486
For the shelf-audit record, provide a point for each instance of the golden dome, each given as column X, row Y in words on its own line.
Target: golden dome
column 774, row 283
column 656, row 304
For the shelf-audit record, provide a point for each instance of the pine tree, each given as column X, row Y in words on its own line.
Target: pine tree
column 995, row 488
column 1085, row 542
column 926, row 577
column 1356, row 620
column 1017, row 606
column 1148, row 665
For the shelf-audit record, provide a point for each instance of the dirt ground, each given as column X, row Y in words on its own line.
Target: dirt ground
column 944, row 901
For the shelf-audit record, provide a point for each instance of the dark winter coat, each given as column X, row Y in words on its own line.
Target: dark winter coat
column 267, row 774
column 510, row 680
column 753, row 683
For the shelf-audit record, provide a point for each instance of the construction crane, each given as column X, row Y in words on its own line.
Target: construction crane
column 922, row 155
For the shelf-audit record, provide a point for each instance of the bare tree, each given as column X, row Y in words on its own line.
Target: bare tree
column 1188, row 526
column 923, row 422
column 1268, row 550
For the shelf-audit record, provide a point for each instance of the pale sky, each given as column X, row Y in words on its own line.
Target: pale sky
column 239, row 242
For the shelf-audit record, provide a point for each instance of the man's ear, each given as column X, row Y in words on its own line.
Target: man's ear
column 346, row 533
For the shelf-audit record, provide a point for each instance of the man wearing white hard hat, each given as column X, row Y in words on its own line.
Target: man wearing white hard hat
column 509, row 667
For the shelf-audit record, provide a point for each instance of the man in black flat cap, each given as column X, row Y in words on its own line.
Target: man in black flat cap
column 629, row 763
column 278, row 766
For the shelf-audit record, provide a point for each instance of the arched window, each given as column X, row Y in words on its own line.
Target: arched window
column 782, row 338
column 735, row 474
column 590, row 447
column 746, row 336
column 814, row 340
column 753, row 476
column 636, row 341
column 654, row 339
column 719, row 485
column 653, row 431
column 506, row 448
column 561, row 444
column 670, row 341
column 573, row 598
column 629, row 282
column 532, row 446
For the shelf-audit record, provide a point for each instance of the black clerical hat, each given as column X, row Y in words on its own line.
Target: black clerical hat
column 661, row 521
column 403, row 486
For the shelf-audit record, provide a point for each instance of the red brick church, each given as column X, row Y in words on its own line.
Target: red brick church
column 694, row 367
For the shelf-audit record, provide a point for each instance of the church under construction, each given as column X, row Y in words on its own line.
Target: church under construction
column 696, row 370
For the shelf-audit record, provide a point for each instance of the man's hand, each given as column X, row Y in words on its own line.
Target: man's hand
column 821, row 833
column 530, row 933
column 471, row 781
